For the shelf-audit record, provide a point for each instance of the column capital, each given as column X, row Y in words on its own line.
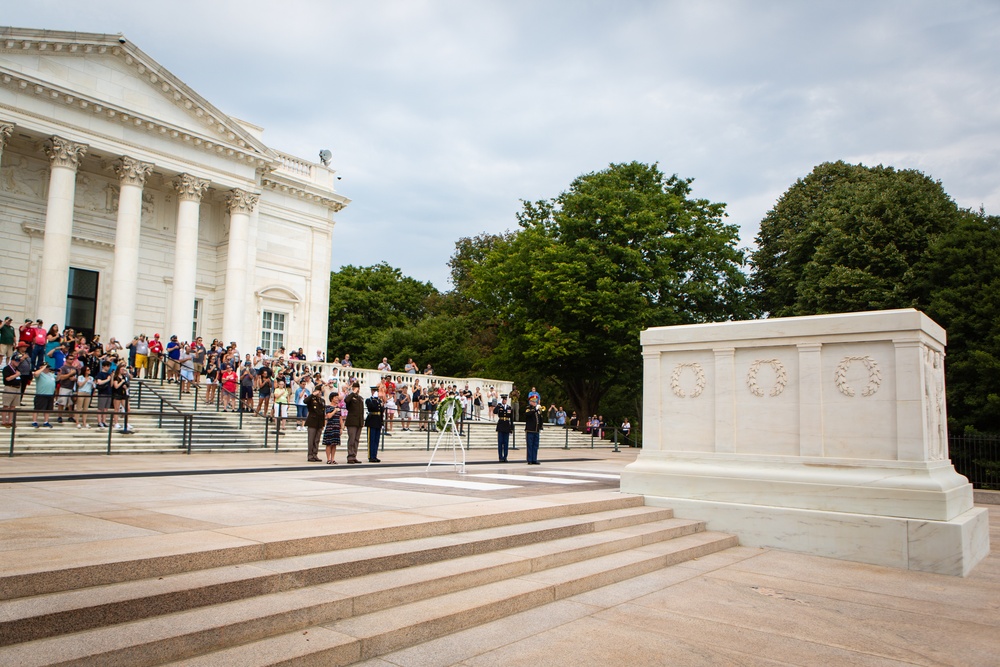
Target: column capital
column 190, row 188
column 131, row 171
column 241, row 201
column 63, row 152
column 6, row 129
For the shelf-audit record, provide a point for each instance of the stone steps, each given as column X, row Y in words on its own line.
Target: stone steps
column 267, row 603
column 221, row 432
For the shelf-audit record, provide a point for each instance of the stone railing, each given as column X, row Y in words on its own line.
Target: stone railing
column 297, row 166
column 368, row 377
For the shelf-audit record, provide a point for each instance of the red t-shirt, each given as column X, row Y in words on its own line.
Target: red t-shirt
column 229, row 379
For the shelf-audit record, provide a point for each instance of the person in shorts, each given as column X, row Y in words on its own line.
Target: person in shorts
column 12, row 385
column 45, row 390
column 246, row 389
column 102, row 384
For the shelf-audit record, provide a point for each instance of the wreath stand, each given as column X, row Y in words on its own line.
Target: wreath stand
column 446, row 426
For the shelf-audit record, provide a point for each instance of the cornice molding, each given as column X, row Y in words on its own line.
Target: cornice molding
column 37, row 229
column 84, row 44
column 332, row 201
column 59, row 95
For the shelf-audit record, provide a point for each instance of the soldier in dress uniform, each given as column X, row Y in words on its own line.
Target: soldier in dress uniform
column 505, row 425
column 355, row 420
column 374, row 423
column 533, row 418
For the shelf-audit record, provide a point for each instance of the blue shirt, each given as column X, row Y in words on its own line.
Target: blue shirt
column 58, row 359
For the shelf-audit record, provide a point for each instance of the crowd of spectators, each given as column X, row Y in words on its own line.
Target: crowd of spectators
column 70, row 371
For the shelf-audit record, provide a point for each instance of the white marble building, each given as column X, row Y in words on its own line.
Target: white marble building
column 129, row 204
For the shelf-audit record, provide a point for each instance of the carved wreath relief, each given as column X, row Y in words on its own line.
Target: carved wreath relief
column 874, row 376
column 699, row 380
column 780, row 377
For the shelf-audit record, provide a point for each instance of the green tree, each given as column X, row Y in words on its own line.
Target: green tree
column 365, row 300
column 623, row 249
column 849, row 238
column 442, row 340
column 964, row 285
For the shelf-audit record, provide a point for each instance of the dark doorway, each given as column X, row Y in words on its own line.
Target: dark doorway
column 81, row 301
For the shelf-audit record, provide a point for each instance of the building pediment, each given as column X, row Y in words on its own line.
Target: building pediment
column 109, row 77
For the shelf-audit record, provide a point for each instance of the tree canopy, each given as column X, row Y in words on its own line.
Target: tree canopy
column 963, row 282
column 849, row 238
column 365, row 301
column 623, row 249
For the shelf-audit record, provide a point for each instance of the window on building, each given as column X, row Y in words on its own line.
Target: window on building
column 272, row 331
column 196, row 318
column 81, row 301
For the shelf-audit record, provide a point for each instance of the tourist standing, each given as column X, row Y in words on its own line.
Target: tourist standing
column 334, row 425
column 173, row 352
column 403, row 404
column 102, row 382
column 155, row 354
column 515, row 402
column 119, row 393
column 84, row 395
column 281, row 405
column 45, row 390
column 11, row 388
column 7, row 338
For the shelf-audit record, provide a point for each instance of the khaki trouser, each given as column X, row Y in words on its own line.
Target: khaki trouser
column 353, row 440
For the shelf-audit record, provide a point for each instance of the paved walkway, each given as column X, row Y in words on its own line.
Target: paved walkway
column 739, row 607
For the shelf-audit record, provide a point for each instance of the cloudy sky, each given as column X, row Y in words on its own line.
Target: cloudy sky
column 442, row 115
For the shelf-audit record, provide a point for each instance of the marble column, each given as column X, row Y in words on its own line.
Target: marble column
column 125, row 272
column 53, row 279
column 6, row 129
column 240, row 204
column 189, row 193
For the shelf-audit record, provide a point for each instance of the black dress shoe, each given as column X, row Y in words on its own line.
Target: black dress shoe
column 374, row 461
column 314, row 460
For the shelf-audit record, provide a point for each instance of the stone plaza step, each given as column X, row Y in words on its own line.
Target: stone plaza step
column 38, row 616
column 322, row 580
